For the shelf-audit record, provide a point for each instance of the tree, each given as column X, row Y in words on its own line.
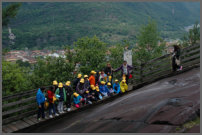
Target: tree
column 9, row 12
column 149, row 44
column 193, row 36
column 50, row 69
column 90, row 53
column 14, row 78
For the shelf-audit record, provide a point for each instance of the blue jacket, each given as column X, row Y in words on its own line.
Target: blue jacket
column 77, row 99
column 103, row 89
column 40, row 98
column 118, row 88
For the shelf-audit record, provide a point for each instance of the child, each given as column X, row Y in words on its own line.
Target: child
column 97, row 76
column 77, row 100
column 40, row 98
column 55, row 86
column 76, row 81
column 123, row 86
column 110, row 89
column 86, row 82
column 87, row 97
column 103, row 76
column 61, row 92
column 80, row 87
column 103, row 89
column 93, row 93
column 69, row 92
column 109, row 79
column 116, row 87
column 97, row 93
column 92, row 78
column 51, row 101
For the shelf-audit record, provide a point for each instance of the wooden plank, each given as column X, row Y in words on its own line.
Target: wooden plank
column 155, row 76
column 168, row 65
column 33, row 119
column 24, row 124
column 33, row 105
column 189, row 58
column 18, row 124
column 7, row 129
column 18, row 117
column 146, row 67
column 18, row 102
column 190, row 63
column 13, row 128
column 156, row 59
column 13, row 125
column 21, row 94
column 191, row 52
column 191, row 47
column 28, row 121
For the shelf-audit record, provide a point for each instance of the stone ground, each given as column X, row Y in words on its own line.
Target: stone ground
column 160, row 107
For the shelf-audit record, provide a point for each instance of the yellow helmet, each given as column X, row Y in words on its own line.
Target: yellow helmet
column 99, row 72
column 110, row 77
column 76, row 94
column 85, row 76
column 60, row 85
column 109, row 83
column 102, row 82
column 55, row 82
column 92, row 86
column 97, row 88
column 116, row 80
column 87, row 91
column 93, row 72
column 82, row 80
column 79, row 76
column 68, row 83
column 124, row 81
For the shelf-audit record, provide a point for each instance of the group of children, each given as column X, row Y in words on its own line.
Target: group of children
column 84, row 91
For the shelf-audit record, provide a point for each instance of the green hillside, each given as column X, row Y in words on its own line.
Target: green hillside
column 52, row 25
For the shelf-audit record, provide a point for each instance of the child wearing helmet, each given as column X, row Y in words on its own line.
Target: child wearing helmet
column 87, row 97
column 76, row 81
column 55, row 85
column 97, row 93
column 93, row 93
column 69, row 92
column 92, row 78
column 62, row 97
column 86, row 82
column 123, row 86
column 80, row 87
column 116, row 87
column 103, row 89
column 110, row 89
column 51, row 100
column 77, row 100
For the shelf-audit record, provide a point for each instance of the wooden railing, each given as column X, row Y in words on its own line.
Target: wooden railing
column 23, row 104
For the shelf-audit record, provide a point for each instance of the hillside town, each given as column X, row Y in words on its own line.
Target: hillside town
column 30, row 56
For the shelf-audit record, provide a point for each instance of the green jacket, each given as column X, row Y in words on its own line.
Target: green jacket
column 57, row 93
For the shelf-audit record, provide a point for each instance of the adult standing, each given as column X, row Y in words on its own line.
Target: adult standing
column 176, row 58
column 125, row 68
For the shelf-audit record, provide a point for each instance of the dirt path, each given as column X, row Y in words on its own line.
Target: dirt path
column 158, row 107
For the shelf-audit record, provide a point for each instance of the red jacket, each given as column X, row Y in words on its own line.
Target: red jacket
column 92, row 80
column 50, row 96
